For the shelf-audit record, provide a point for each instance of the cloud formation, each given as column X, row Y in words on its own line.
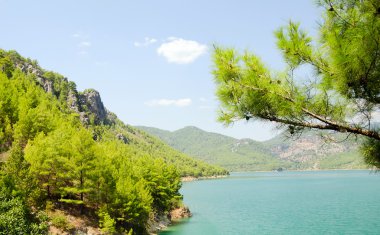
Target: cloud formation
column 83, row 47
column 169, row 102
column 76, row 35
column 147, row 41
column 84, row 44
column 181, row 51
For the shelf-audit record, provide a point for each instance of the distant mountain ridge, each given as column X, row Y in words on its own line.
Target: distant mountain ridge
column 311, row 151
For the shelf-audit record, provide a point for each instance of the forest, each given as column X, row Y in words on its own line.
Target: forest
column 60, row 149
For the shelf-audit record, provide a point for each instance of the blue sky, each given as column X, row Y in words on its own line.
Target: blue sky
column 150, row 60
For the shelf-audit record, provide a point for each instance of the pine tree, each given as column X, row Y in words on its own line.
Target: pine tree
column 344, row 94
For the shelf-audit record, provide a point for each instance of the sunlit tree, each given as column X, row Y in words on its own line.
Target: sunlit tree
column 344, row 93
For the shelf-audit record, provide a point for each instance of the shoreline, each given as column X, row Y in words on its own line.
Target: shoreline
column 163, row 221
column 193, row 178
column 306, row 170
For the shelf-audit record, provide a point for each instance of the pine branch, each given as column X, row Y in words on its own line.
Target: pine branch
column 328, row 124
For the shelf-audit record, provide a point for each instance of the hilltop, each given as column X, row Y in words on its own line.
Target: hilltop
column 310, row 151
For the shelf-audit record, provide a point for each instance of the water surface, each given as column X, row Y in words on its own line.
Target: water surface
column 324, row 202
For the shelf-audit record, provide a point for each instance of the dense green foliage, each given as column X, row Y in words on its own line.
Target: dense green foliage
column 344, row 93
column 309, row 151
column 52, row 154
column 16, row 218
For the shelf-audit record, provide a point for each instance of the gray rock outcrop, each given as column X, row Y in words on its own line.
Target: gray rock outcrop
column 121, row 137
column 90, row 100
column 87, row 104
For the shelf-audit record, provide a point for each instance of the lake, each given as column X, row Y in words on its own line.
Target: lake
column 319, row 202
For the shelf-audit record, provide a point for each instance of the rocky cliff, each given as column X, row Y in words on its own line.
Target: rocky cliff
column 88, row 104
column 312, row 146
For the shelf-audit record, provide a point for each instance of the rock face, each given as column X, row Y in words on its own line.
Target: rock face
column 87, row 104
column 46, row 84
column 180, row 213
column 307, row 148
column 84, row 118
column 163, row 220
column 158, row 223
column 29, row 68
column 72, row 101
column 121, row 137
column 90, row 100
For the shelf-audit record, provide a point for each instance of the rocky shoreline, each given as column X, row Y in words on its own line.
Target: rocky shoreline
column 162, row 221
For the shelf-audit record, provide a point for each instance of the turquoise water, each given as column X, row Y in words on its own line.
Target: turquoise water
column 325, row 202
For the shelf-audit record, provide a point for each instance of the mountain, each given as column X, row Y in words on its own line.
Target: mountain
column 311, row 150
column 231, row 153
column 104, row 125
column 69, row 165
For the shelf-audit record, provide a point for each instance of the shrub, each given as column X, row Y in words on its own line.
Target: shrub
column 59, row 220
column 106, row 223
column 13, row 216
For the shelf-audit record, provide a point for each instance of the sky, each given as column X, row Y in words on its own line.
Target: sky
column 151, row 60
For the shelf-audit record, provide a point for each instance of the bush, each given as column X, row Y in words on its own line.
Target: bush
column 106, row 223
column 42, row 226
column 13, row 216
column 59, row 220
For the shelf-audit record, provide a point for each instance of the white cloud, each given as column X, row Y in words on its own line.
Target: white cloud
column 80, row 35
column 169, row 102
column 76, row 35
column 181, row 51
column 147, row 41
column 202, row 99
column 85, row 44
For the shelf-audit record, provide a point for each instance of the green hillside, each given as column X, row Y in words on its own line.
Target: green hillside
column 309, row 151
column 62, row 152
column 233, row 154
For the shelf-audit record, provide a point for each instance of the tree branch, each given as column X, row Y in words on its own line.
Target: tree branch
column 329, row 125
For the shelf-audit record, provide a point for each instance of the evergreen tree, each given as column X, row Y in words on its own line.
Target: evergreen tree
column 344, row 94
column 54, row 161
